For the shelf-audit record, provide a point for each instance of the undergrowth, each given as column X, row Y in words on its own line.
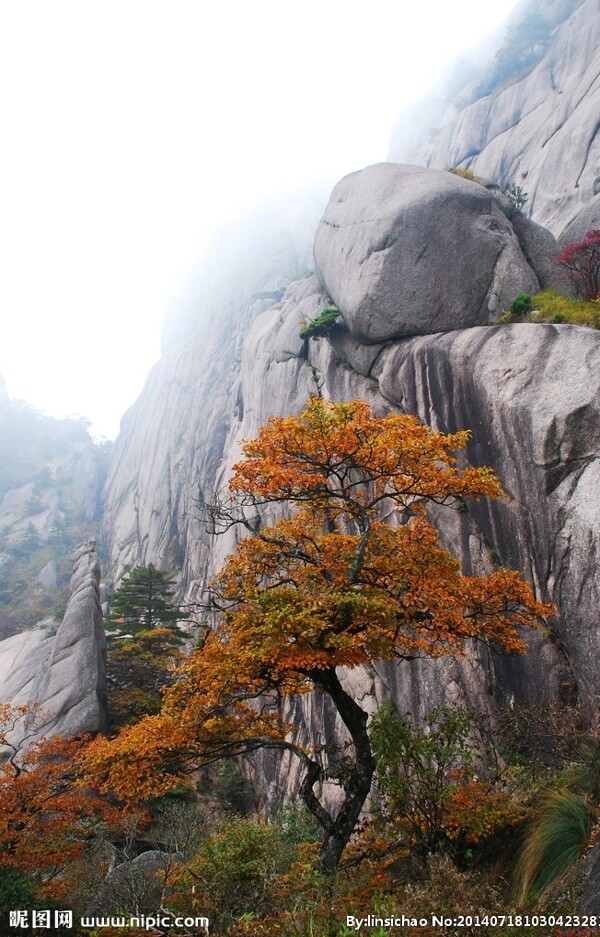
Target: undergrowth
column 550, row 306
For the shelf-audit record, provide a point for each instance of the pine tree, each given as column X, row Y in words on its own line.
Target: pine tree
column 143, row 601
column 146, row 643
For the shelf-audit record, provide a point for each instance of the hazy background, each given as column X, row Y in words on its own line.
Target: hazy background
column 129, row 129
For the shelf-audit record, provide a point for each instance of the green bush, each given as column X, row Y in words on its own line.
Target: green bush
column 553, row 307
column 322, row 325
column 517, row 197
column 415, row 765
column 16, row 891
column 521, row 305
column 237, row 872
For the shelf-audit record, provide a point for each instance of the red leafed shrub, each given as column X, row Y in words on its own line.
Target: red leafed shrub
column 581, row 263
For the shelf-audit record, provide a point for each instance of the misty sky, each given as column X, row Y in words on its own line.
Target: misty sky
column 131, row 127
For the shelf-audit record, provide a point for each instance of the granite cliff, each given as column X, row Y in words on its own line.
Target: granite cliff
column 51, row 636
column 420, row 264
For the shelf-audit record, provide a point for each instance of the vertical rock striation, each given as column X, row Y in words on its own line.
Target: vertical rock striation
column 529, row 393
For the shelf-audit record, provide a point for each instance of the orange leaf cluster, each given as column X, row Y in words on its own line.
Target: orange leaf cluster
column 475, row 809
column 341, row 457
column 45, row 818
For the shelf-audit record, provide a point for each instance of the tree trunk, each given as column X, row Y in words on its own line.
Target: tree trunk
column 338, row 831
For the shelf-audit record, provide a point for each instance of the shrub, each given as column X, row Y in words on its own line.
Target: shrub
column 415, row 765
column 521, row 305
column 16, row 891
column 553, row 307
column 581, row 262
column 239, row 871
column 426, row 777
column 463, row 172
column 517, row 198
column 322, row 325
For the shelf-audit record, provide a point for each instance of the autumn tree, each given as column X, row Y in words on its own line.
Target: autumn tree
column 354, row 575
column 581, row 263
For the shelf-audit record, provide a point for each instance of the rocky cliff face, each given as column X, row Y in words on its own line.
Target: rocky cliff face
column 417, row 261
column 177, row 438
column 539, row 128
column 63, row 670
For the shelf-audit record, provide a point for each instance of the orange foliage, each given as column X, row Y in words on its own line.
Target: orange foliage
column 45, row 819
column 476, row 809
column 340, row 454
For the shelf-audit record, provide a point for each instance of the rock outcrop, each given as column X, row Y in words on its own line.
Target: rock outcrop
column 64, row 672
column 531, row 396
column 385, row 251
column 539, row 130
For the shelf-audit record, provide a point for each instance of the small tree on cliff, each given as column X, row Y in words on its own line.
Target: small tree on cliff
column 581, row 263
column 333, row 586
column 138, row 664
column 143, row 600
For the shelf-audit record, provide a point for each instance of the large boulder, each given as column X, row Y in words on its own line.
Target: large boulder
column 404, row 250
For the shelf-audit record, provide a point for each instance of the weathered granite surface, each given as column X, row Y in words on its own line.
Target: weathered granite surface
column 528, row 392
